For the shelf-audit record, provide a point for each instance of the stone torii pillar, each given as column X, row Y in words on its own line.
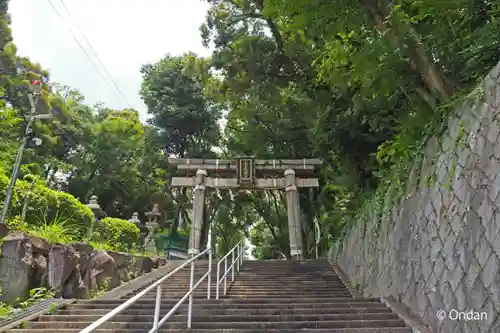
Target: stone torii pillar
column 293, row 212
column 198, row 207
column 246, row 172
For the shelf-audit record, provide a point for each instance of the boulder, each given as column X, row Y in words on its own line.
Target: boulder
column 124, row 262
column 40, row 271
column 143, row 265
column 29, row 262
column 16, row 269
column 82, row 247
column 4, row 230
column 84, row 252
column 121, row 259
column 102, row 268
column 63, row 260
column 83, row 263
column 38, row 245
column 75, row 286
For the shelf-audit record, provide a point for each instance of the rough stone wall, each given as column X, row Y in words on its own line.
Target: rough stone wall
column 71, row 271
column 439, row 248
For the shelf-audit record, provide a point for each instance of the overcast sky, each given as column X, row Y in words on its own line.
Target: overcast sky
column 125, row 34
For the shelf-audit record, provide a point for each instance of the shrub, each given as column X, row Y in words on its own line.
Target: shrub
column 120, row 235
column 46, row 204
column 59, row 230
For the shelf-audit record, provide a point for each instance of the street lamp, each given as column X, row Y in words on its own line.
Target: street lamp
column 33, row 98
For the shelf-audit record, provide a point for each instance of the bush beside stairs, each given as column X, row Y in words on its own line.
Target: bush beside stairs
column 267, row 296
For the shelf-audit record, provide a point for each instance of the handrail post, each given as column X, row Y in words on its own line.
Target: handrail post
column 209, row 272
column 232, row 266
column 225, row 276
column 190, row 306
column 157, row 322
column 218, row 281
column 242, row 252
column 157, row 309
column 238, row 259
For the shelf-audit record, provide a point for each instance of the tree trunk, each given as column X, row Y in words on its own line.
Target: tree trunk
column 413, row 48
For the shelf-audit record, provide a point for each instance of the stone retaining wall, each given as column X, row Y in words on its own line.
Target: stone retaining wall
column 73, row 270
column 439, row 248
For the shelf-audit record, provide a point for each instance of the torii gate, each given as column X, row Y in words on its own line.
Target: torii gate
column 250, row 174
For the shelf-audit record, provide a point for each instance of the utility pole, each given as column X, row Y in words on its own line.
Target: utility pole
column 33, row 97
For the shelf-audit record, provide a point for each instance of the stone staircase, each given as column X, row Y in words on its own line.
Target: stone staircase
column 267, row 296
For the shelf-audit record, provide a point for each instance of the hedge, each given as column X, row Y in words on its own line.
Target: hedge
column 44, row 204
column 122, row 235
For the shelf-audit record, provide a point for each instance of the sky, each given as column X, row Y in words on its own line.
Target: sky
column 124, row 34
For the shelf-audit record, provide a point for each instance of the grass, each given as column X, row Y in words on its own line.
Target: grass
column 58, row 230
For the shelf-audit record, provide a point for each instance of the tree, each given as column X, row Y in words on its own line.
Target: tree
column 173, row 91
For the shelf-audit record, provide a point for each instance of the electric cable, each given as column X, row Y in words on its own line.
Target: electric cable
column 87, row 55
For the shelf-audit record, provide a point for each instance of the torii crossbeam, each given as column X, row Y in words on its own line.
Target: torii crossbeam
column 248, row 173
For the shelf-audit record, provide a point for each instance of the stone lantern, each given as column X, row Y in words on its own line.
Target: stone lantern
column 152, row 224
column 143, row 230
column 97, row 211
column 135, row 219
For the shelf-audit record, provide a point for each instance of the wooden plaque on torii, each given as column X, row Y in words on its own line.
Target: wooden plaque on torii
column 246, row 171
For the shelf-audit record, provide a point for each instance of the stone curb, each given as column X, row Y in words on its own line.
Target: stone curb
column 401, row 310
column 34, row 312
column 345, row 279
column 139, row 282
column 404, row 313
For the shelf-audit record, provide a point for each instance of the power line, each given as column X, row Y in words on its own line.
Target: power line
column 95, row 53
column 87, row 55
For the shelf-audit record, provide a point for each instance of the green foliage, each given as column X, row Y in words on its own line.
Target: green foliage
column 265, row 246
column 363, row 85
column 118, row 234
column 46, row 205
column 94, row 293
column 173, row 90
column 35, row 295
column 10, row 129
column 58, row 230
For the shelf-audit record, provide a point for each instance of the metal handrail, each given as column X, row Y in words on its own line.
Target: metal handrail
column 238, row 260
column 157, row 322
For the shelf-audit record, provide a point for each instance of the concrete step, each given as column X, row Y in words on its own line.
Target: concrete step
column 288, row 294
column 222, row 304
column 230, row 311
column 200, row 317
column 184, row 285
column 255, row 293
column 237, row 302
column 266, row 296
column 267, row 279
column 284, row 288
column 288, row 298
column 250, row 330
column 254, row 285
column 355, row 323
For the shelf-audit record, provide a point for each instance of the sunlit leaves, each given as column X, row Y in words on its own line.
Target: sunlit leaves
column 173, row 90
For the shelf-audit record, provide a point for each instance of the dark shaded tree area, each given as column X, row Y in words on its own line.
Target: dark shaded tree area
column 355, row 83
